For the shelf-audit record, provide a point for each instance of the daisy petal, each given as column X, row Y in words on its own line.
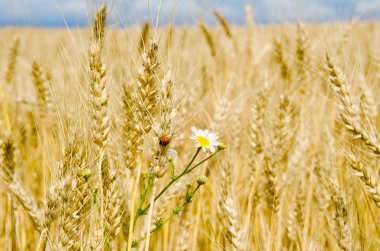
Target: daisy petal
column 194, row 131
column 212, row 149
column 205, row 139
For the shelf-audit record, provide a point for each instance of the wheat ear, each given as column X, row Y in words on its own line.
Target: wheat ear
column 13, row 52
column 349, row 111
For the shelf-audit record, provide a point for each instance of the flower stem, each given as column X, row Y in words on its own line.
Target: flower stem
column 139, row 210
column 174, row 212
column 200, row 163
column 187, row 170
column 175, row 178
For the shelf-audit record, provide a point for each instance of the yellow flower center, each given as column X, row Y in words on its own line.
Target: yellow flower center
column 203, row 141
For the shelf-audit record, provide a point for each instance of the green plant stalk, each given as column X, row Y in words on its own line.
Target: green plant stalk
column 185, row 171
column 142, row 200
column 146, row 189
column 174, row 212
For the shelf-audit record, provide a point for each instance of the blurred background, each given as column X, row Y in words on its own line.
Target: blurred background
column 181, row 12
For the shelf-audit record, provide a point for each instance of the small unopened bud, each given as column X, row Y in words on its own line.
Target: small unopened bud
column 171, row 155
column 146, row 173
column 221, row 146
column 188, row 185
column 94, row 191
column 202, row 180
column 86, row 173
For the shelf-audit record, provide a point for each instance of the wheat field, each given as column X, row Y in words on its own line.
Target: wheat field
column 254, row 137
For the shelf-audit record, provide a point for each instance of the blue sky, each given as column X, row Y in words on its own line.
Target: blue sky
column 130, row 12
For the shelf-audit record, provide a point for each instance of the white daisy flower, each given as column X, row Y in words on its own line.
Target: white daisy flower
column 205, row 139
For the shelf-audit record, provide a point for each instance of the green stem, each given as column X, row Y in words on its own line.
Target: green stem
column 193, row 159
column 175, row 178
column 185, row 171
column 172, row 166
column 142, row 200
column 175, row 212
column 146, row 189
column 203, row 161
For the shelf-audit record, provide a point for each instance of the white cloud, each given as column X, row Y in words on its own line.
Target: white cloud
column 368, row 9
column 304, row 10
column 128, row 12
column 42, row 12
column 178, row 10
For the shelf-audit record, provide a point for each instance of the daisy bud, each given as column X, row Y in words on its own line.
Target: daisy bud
column 202, row 180
column 172, row 154
column 221, row 146
column 86, row 173
column 144, row 174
